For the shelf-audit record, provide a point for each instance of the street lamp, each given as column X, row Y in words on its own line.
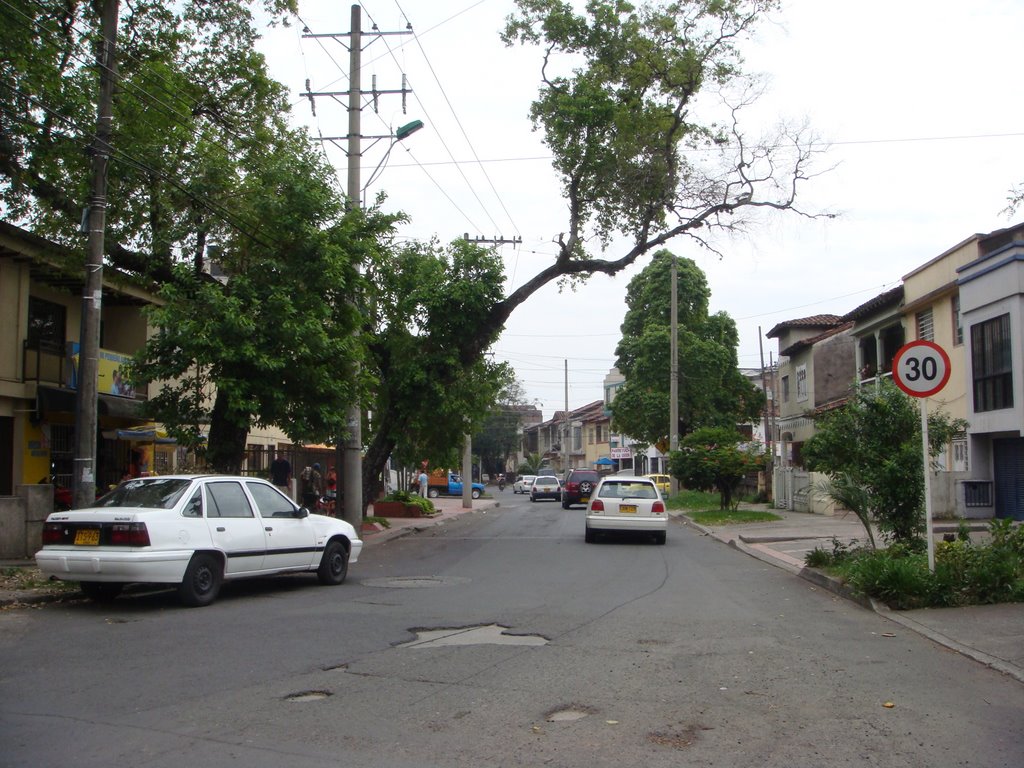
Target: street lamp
column 401, row 134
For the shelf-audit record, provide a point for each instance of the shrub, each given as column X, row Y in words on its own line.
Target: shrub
column 411, row 498
column 965, row 574
column 823, row 558
column 902, row 581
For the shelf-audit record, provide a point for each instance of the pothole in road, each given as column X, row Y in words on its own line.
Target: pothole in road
column 489, row 634
column 307, row 696
column 569, row 713
column 413, row 582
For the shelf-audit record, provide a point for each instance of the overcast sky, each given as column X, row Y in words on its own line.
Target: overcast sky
column 919, row 100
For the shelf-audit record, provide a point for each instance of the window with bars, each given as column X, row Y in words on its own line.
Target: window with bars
column 925, row 325
column 992, row 364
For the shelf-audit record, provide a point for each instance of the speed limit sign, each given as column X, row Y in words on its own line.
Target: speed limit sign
column 921, row 368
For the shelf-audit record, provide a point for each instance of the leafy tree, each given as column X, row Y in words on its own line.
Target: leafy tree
column 712, row 391
column 430, row 386
column 266, row 338
column 713, row 457
column 872, row 449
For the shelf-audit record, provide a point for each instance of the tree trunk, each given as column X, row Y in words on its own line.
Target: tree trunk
column 228, row 431
column 376, row 459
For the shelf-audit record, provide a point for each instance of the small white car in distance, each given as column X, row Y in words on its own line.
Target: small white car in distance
column 546, row 487
column 194, row 532
column 523, row 483
column 623, row 503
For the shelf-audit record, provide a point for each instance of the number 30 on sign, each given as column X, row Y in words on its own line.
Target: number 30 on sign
column 921, row 368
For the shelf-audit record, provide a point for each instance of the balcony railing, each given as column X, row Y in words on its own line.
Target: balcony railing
column 44, row 363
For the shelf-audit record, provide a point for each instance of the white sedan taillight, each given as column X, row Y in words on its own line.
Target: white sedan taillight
column 129, row 535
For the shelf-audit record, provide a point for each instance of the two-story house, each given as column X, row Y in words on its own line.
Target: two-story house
column 991, row 312
column 41, row 287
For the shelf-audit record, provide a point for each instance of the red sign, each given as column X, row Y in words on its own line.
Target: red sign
column 921, row 368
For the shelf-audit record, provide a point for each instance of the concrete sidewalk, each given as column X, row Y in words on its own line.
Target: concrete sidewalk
column 990, row 634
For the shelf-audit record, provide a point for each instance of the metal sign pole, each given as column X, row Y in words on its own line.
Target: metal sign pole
column 927, row 485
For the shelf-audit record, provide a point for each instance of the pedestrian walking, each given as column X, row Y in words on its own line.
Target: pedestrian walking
column 423, row 483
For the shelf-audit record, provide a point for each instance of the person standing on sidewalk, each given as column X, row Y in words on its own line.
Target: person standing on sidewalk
column 312, row 487
column 423, row 483
column 281, row 474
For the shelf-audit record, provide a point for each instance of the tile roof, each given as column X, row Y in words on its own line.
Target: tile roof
column 814, row 321
column 890, row 298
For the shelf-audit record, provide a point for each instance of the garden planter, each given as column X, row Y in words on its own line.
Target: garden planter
column 396, row 509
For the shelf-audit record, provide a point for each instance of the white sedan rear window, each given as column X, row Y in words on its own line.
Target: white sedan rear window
column 614, row 490
column 151, row 493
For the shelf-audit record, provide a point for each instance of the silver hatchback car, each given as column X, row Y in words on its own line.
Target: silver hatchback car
column 623, row 503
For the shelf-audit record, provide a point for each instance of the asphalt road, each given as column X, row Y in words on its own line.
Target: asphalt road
column 621, row 653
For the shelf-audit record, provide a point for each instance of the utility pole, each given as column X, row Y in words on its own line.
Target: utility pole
column 769, row 406
column 673, row 381
column 84, row 478
column 349, row 451
column 567, row 427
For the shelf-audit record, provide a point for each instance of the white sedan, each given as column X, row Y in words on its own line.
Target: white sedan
column 523, row 483
column 622, row 503
column 195, row 532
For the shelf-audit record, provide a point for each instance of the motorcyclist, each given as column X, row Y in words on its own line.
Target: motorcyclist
column 501, row 482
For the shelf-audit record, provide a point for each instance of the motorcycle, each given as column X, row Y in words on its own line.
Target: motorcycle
column 328, row 504
column 501, row 484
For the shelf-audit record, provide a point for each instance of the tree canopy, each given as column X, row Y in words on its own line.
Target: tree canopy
column 712, row 391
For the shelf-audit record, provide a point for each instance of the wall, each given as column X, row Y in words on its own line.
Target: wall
column 835, row 368
column 21, row 520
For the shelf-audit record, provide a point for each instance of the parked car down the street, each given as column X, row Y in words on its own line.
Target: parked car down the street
column 523, row 483
column 663, row 482
column 194, row 532
column 622, row 503
column 579, row 485
column 545, row 487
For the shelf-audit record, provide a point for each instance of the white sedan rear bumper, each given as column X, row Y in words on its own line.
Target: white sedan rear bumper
column 164, row 567
column 624, row 523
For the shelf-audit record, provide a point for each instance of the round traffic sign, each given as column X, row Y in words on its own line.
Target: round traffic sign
column 921, row 368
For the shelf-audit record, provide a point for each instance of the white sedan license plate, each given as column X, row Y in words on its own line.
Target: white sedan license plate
column 87, row 537
column 629, row 509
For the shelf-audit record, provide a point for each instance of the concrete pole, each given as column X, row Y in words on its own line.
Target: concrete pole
column 352, row 453
column 86, row 404
column 467, row 472
column 673, row 387
column 567, row 426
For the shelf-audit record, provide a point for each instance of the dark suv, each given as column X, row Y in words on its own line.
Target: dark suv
column 578, row 486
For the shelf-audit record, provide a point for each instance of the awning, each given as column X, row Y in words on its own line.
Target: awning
column 140, row 434
column 604, row 461
column 58, row 400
